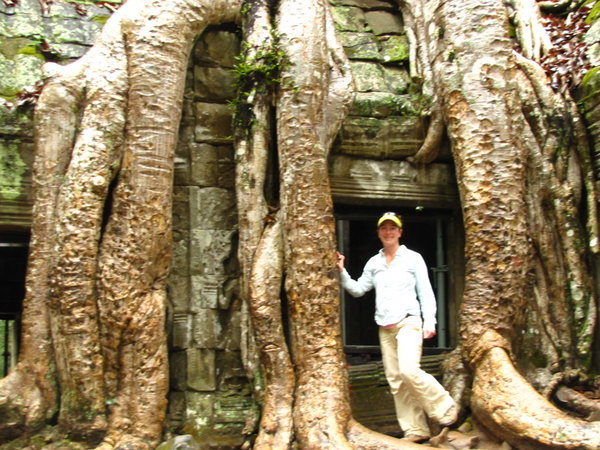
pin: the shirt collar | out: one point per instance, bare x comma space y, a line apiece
400, 250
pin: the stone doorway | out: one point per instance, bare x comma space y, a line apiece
428, 231
13, 264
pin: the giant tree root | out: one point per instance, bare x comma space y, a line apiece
361, 437
510, 408
579, 403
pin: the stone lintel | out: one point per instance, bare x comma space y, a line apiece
364, 181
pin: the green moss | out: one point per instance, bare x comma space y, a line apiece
31, 50
12, 171
254, 75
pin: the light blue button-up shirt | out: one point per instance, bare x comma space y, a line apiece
401, 288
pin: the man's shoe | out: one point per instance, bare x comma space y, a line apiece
416, 438
450, 416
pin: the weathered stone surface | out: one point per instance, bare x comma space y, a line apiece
233, 375
381, 105
360, 45
396, 137
397, 79
17, 123
178, 288
212, 165
348, 18
67, 32
181, 442
366, 4
353, 179
176, 408
209, 251
201, 369
16, 160
217, 47
230, 339
24, 18
394, 48
214, 83
384, 22
368, 77
200, 410
212, 208
206, 328
177, 376
18, 73
206, 291
181, 327
213, 123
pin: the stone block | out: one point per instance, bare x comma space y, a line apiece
206, 328
15, 170
67, 50
217, 47
176, 408
397, 79
369, 77
213, 123
397, 137
394, 48
178, 370
178, 289
181, 330
204, 166
181, 169
214, 83
206, 292
19, 72
201, 370
212, 165
381, 105
200, 410
232, 375
361, 46
209, 252
234, 409
348, 18
24, 18
181, 212
354, 178
212, 209
384, 22
366, 4
232, 332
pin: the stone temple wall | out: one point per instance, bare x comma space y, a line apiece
209, 390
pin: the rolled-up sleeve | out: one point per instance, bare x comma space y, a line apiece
357, 288
425, 294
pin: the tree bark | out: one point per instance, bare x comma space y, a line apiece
104, 303
313, 98
519, 163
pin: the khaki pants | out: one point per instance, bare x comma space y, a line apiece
416, 393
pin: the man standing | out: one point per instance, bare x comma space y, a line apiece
405, 312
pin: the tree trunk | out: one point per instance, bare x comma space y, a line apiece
519, 161
98, 317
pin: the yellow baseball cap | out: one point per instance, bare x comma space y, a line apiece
390, 216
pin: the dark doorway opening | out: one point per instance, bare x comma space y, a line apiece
425, 231
13, 263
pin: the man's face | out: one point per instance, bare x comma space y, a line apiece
389, 232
